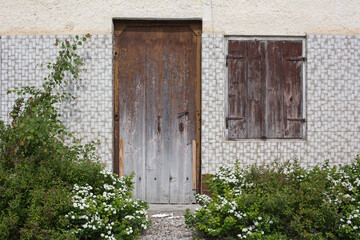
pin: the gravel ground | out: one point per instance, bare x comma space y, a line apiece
168, 222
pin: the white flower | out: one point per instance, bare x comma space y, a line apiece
244, 229
73, 217
260, 218
256, 223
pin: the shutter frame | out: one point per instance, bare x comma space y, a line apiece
265, 84
293, 89
237, 90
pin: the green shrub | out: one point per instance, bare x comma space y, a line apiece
107, 211
281, 201
41, 164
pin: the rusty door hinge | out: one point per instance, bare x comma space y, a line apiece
232, 118
296, 119
233, 57
296, 59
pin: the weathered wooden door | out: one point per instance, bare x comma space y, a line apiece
156, 78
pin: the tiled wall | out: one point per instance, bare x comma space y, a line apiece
91, 114
332, 98
332, 86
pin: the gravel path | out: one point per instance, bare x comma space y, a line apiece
168, 223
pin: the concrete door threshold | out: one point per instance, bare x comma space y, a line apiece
175, 209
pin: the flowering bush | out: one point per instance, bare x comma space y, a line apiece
281, 201
46, 174
107, 212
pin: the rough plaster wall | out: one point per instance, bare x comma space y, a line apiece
333, 109
237, 17
91, 114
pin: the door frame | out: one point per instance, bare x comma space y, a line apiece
119, 27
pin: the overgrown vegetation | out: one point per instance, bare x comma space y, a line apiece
51, 185
281, 201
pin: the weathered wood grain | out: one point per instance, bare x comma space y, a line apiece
238, 91
264, 89
132, 104
157, 118
198, 110
121, 158
158, 96
183, 112
256, 90
293, 89
274, 89
194, 164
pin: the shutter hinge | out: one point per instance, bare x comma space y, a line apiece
296, 119
233, 57
232, 118
296, 59
115, 53
116, 117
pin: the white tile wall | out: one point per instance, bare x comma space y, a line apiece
333, 107
332, 93
90, 116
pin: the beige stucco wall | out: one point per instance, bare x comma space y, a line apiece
232, 17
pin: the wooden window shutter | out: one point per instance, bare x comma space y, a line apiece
293, 63
264, 89
237, 90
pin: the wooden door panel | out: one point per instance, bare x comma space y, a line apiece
157, 90
132, 104
182, 65
157, 164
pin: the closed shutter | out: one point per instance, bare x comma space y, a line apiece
264, 89
237, 86
293, 89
